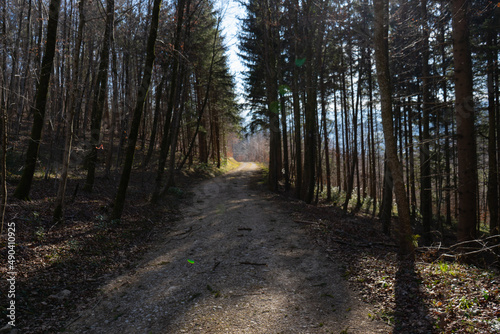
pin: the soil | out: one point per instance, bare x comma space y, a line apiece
237, 262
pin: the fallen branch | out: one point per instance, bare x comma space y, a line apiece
484, 249
465, 248
215, 265
183, 232
305, 222
254, 263
355, 244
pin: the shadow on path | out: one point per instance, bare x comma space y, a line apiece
236, 263
411, 314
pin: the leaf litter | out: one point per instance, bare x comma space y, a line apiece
433, 296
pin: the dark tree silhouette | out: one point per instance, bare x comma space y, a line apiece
136, 119
38, 109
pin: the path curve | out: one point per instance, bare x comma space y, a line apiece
236, 263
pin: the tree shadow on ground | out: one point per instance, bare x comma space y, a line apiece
229, 266
411, 315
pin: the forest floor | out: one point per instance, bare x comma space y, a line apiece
227, 256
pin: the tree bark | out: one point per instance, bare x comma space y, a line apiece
492, 196
296, 106
297, 133
114, 110
337, 143
373, 183
176, 124
154, 126
425, 163
465, 116
386, 203
310, 136
325, 139
286, 165
270, 44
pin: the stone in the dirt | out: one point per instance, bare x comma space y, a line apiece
61, 295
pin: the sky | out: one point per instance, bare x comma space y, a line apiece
232, 10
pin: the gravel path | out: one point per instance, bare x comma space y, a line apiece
236, 263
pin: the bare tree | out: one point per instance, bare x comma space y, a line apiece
70, 113
136, 120
38, 109
99, 97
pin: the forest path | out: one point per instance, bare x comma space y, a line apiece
236, 263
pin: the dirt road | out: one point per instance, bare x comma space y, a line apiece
236, 263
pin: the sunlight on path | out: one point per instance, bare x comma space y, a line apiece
237, 263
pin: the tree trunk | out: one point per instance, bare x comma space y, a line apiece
384, 79
165, 142
465, 116
298, 133
27, 70
337, 143
176, 121
139, 107
99, 97
425, 163
152, 138
310, 135
492, 141
286, 165
373, 183
325, 139
271, 50
386, 203
114, 111
70, 110
38, 109
207, 92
